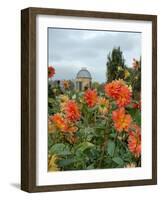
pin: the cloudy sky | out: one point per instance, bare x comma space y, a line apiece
70, 50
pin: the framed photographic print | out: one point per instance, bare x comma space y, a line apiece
89, 99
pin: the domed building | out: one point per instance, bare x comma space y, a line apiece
83, 80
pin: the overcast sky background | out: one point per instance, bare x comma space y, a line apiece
70, 50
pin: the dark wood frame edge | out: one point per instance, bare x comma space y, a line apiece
28, 98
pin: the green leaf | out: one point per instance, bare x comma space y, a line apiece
74, 96
101, 126
88, 130
113, 134
65, 162
60, 149
84, 145
118, 161
138, 117
50, 100
111, 147
90, 166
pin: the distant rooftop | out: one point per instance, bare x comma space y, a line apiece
84, 73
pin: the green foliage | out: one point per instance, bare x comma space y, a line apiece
95, 144
136, 115
84, 146
60, 149
117, 69
135, 82
118, 161
115, 65
111, 148
91, 150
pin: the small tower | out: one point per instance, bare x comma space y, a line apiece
83, 80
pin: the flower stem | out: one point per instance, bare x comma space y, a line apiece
104, 146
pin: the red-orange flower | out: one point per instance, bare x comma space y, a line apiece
119, 91
66, 84
70, 128
71, 110
103, 105
134, 140
122, 121
137, 105
59, 121
91, 97
51, 71
63, 124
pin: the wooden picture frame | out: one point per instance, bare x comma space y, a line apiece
28, 98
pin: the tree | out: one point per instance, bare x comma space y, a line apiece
135, 78
115, 65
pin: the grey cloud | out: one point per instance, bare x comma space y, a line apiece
69, 50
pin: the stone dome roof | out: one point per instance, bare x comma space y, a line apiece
84, 73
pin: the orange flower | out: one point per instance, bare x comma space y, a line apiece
121, 120
91, 97
59, 121
103, 105
119, 91
51, 71
134, 140
70, 128
63, 124
66, 84
71, 110
64, 98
